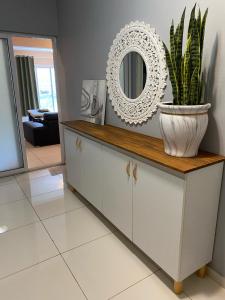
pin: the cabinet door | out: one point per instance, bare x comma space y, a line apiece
157, 215
117, 190
91, 172
73, 159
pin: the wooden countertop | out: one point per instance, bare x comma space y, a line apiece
144, 146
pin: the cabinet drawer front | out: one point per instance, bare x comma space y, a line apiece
117, 190
157, 216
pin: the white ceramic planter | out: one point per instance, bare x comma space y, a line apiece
183, 128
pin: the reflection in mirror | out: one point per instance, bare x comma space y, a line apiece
132, 75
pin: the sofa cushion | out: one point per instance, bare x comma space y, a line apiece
32, 124
50, 116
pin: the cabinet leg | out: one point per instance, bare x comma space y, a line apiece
72, 189
178, 287
202, 272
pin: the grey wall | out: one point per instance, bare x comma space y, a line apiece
86, 31
29, 16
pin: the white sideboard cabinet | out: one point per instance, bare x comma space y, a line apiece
167, 206
83, 172
117, 187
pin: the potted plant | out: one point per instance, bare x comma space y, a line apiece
184, 122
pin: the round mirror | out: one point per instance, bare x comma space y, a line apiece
132, 75
136, 72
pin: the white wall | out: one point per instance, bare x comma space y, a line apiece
86, 31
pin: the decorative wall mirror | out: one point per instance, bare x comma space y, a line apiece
136, 72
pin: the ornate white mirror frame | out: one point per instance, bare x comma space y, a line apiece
141, 38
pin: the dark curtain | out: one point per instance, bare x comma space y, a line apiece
27, 83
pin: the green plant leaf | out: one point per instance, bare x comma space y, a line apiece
186, 72
191, 22
201, 90
195, 48
172, 46
172, 75
194, 88
179, 44
185, 69
199, 20
202, 31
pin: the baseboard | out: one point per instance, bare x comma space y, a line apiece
216, 277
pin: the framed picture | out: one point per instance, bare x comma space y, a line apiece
93, 101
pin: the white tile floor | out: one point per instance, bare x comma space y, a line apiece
58, 248
39, 157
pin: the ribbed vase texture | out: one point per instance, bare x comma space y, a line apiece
183, 128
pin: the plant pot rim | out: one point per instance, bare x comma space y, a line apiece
170, 108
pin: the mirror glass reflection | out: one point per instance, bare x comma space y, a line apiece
133, 75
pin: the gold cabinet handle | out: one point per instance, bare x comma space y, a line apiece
77, 141
80, 144
128, 169
135, 173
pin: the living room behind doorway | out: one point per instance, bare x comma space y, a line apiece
38, 100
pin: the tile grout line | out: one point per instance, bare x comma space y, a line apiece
29, 197
86, 243
74, 277
130, 286
153, 273
24, 194
32, 159
28, 267
20, 227
37, 157
38, 221
60, 253
64, 260
33, 150
62, 213
35, 178
14, 201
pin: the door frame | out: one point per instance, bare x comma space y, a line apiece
10, 35
16, 96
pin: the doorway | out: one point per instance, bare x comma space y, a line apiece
38, 100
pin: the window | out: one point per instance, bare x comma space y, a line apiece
46, 87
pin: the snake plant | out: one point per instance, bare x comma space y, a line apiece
185, 68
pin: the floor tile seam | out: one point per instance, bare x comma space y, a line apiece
44, 162
13, 201
24, 225
46, 231
20, 227
62, 213
34, 160
130, 286
24, 194
74, 277
29, 267
86, 243
153, 273
47, 155
35, 178
7, 182
63, 259
31, 197
33, 152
